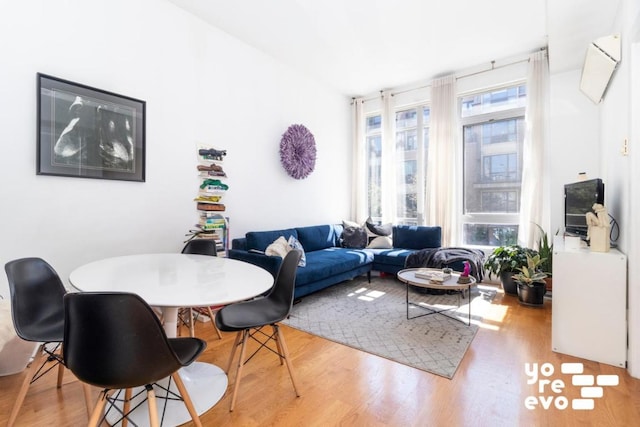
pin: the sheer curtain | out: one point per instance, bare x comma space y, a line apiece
444, 160
388, 174
359, 208
533, 209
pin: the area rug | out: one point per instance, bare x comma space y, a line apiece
372, 317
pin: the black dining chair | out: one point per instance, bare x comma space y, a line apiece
115, 341
38, 316
248, 318
199, 247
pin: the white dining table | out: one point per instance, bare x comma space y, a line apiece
171, 281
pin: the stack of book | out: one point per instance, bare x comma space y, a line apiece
212, 223
433, 276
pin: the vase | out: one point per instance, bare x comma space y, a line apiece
508, 283
531, 295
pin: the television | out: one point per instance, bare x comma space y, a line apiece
579, 197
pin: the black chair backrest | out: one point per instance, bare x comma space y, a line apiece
36, 300
115, 340
200, 247
283, 289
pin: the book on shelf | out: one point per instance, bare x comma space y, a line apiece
210, 206
433, 276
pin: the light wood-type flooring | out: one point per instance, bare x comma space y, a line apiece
341, 386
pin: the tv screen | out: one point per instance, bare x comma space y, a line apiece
579, 197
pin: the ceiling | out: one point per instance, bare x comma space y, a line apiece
362, 46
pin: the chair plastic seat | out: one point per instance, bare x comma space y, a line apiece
187, 349
250, 314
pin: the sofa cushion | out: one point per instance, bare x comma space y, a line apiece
392, 256
317, 237
416, 237
330, 262
259, 240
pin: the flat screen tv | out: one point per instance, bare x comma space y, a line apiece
579, 197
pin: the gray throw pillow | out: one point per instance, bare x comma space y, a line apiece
353, 237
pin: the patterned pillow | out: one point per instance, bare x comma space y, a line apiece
295, 244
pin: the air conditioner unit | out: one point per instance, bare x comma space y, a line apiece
602, 58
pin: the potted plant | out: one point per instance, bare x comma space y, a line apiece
504, 262
545, 249
530, 280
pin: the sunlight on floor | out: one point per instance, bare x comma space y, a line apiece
369, 296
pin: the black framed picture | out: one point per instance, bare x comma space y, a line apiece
89, 133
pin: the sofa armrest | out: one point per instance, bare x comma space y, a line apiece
269, 263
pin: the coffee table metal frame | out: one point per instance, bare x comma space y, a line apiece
409, 278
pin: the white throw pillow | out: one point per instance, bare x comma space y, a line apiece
380, 242
280, 247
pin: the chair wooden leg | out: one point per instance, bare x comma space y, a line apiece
60, 374
28, 376
187, 399
245, 336
192, 323
153, 407
287, 359
278, 346
96, 415
213, 322
233, 351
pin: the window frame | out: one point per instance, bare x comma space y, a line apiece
489, 218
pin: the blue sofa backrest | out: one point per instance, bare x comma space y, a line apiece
416, 237
316, 237
259, 240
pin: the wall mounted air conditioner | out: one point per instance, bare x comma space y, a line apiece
602, 58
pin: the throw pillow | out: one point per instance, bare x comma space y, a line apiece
353, 237
379, 230
280, 247
295, 244
380, 242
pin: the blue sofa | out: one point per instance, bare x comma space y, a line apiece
326, 262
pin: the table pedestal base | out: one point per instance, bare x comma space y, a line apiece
206, 384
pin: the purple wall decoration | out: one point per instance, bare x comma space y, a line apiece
298, 151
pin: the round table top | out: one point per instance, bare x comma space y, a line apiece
409, 276
174, 280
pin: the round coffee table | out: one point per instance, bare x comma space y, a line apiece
408, 276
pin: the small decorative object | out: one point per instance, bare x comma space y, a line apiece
598, 231
298, 151
89, 133
464, 276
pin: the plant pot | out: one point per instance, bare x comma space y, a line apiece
549, 283
531, 295
509, 285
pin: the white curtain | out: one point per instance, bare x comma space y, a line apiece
443, 160
388, 174
533, 209
359, 208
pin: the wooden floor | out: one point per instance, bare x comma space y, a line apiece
346, 387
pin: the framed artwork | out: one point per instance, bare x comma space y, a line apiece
89, 133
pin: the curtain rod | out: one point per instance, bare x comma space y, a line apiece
462, 76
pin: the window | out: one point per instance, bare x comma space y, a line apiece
493, 135
412, 142
373, 130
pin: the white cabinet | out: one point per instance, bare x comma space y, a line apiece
589, 306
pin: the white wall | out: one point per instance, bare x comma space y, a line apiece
574, 140
619, 122
201, 86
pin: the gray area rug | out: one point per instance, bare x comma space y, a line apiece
372, 317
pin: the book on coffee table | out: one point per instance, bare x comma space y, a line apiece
432, 276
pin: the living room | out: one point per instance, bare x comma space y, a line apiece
202, 85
